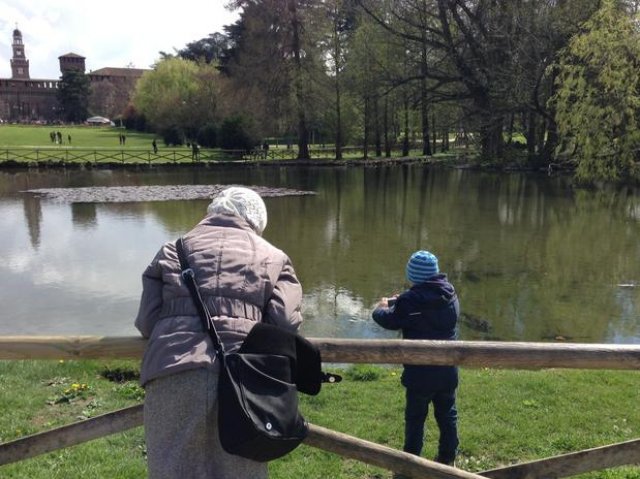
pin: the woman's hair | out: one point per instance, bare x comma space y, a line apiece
242, 202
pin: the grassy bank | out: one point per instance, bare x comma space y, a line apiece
30, 136
505, 417
29, 145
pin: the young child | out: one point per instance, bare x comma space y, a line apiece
428, 310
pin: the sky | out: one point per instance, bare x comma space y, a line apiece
116, 33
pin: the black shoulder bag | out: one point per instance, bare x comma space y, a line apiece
258, 415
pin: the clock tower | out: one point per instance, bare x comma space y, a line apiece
19, 63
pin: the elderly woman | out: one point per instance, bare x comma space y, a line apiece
244, 279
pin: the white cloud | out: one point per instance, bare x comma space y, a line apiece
109, 34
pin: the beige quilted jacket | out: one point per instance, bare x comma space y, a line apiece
242, 279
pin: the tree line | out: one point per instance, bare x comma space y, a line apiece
543, 81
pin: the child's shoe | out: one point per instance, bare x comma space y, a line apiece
446, 462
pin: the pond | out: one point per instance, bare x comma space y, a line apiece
532, 258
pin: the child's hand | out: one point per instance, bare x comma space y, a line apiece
383, 303
387, 302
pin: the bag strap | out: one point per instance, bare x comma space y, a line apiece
188, 276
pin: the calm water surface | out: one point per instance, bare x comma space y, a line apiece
532, 259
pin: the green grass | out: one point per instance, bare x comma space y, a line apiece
29, 144
505, 417
89, 144
29, 136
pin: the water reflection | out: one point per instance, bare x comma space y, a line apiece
33, 216
531, 258
350, 315
84, 215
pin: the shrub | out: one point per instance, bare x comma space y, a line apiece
172, 136
133, 120
208, 135
364, 372
235, 134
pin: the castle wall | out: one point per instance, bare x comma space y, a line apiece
28, 100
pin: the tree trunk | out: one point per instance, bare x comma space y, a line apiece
338, 140
435, 134
303, 131
405, 140
540, 137
376, 119
491, 141
366, 128
426, 145
387, 141
510, 132
531, 134
548, 151
552, 141
337, 55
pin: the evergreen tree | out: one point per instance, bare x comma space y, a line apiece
73, 96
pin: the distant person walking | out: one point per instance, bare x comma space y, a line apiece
195, 151
69, 138
155, 146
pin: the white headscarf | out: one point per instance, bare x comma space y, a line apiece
242, 202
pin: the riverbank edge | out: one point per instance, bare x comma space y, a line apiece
459, 161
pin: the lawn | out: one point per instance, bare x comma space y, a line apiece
21, 142
505, 417
29, 136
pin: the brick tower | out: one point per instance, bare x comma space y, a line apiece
71, 62
19, 63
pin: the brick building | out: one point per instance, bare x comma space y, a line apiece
24, 99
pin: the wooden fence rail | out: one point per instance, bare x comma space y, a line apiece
465, 353
164, 155
472, 354
126, 155
128, 418
564, 465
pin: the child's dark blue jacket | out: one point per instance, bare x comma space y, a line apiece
428, 310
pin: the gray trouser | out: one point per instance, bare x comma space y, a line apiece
181, 430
